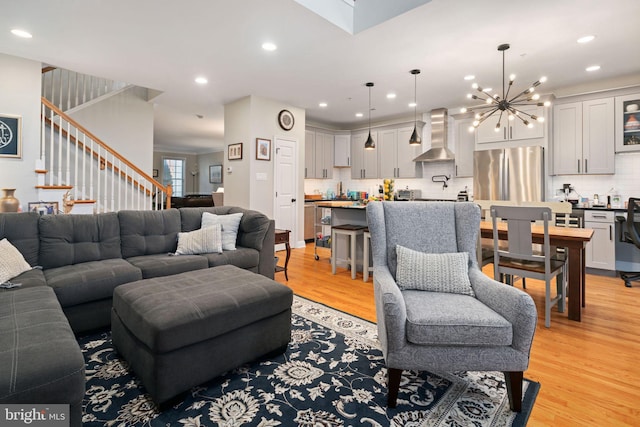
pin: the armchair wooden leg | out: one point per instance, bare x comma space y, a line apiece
393, 376
514, 389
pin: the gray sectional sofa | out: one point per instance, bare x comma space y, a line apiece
80, 260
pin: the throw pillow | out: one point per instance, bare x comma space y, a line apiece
433, 272
12, 263
230, 224
204, 241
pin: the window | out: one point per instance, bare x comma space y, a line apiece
173, 173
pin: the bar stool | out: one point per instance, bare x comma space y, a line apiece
365, 256
352, 231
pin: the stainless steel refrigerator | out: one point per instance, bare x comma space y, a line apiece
515, 174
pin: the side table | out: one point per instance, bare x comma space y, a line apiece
282, 236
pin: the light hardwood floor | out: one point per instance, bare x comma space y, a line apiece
589, 371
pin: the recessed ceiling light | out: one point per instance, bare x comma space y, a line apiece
412, 104
391, 95
469, 77
593, 68
268, 46
21, 33
586, 39
359, 114
322, 105
201, 80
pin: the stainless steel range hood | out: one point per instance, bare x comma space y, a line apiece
439, 127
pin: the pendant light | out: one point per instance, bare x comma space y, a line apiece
369, 144
415, 138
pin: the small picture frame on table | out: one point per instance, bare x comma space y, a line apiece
215, 174
234, 151
263, 149
44, 208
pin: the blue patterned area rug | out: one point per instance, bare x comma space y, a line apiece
332, 374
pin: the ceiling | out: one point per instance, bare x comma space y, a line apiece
164, 45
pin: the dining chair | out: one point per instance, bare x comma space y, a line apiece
522, 258
631, 235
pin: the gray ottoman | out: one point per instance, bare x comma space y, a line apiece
179, 331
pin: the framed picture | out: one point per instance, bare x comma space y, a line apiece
155, 173
215, 174
10, 136
263, 149
44, 208
234, 151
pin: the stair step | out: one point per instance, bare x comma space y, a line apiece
78, 202
42, 171
54, 187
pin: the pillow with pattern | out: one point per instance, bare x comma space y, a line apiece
203, 241
12, 263
433, 272
230, 224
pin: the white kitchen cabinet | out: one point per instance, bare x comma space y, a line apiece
583, 137
627, 112
511, 130
309, 154
342, 151
396, 154
601, 250
364, 163
465, 145
323, 156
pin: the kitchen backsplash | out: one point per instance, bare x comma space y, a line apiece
626, 181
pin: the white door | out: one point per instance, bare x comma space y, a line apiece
285, 186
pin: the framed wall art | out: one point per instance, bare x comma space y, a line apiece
234, 151
155, 173
10, 136
263, 149
215, 174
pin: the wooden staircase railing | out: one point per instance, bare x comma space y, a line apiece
73, 158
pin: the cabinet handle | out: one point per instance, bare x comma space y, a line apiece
586, 168
510, 132
456, 170
348, 161
610, 233
305, 172
504, 132
578, 165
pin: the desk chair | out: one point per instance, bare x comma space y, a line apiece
631, 234
521, 258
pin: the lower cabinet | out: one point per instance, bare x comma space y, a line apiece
601, 250
309, 212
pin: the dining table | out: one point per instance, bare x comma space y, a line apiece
575, 241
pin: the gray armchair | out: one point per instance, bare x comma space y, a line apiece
442, 331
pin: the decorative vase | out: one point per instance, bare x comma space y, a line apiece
8, 203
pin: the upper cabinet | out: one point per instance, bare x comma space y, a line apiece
342, 151
583, 137
511, 129
465, 144
318, 155
627, 123
396, 154
364, 163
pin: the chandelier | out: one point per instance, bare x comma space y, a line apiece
503, 105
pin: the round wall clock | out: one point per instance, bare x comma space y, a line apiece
285, 119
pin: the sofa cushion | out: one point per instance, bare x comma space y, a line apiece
12, 262
204, 241
90, 281
149, 232
21, 229
448, 272
166, 264
74, 239
40, 357
30, 278
212, 302
435, 318
246, 258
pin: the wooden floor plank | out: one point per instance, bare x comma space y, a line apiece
589, 370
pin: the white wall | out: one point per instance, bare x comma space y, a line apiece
20, 95
125, 123
204, 161
237, 129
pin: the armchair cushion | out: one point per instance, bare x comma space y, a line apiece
435, 318
434, 272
